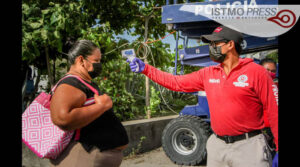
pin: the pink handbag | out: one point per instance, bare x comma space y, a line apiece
44, 138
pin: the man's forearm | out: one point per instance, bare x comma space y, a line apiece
183, 83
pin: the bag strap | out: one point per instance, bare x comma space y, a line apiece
55, 86
74, 76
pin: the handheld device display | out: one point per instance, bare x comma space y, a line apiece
130, 55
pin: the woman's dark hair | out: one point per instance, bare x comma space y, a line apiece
81, 47
267, 60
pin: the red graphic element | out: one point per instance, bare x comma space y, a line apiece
218, 29
284, 18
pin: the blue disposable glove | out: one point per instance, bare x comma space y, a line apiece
136, 62
275, 161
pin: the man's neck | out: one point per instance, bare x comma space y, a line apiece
230, 62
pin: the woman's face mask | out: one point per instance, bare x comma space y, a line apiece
97, 68
272, 74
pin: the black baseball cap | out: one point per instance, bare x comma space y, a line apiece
223, 33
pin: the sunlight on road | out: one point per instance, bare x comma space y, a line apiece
155, 158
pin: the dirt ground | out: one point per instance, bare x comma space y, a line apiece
154, 158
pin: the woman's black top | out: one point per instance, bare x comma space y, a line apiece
107, 131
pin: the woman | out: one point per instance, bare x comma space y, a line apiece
102, 136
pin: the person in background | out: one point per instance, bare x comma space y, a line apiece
102, 136
270, 66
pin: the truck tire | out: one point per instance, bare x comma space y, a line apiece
184, 140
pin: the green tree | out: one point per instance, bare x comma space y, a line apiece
144, 16
50, 27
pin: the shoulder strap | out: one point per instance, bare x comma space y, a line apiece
74, 76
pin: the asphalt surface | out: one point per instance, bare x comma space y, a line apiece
154, 158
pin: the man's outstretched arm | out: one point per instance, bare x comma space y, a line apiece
185, 83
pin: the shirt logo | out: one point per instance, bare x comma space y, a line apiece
241, 81
214, 81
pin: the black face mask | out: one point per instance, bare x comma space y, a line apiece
215, 54
97, 68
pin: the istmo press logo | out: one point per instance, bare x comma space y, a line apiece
250, 17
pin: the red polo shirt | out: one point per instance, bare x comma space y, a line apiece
237, 101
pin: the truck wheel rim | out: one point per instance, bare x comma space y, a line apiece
184, 141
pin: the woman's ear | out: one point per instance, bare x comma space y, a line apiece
79, 60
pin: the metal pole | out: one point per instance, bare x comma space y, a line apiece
176, 54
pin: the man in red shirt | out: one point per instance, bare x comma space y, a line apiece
238, 92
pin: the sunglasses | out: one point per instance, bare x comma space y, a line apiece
215, 43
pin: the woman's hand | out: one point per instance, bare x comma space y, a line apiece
103, 100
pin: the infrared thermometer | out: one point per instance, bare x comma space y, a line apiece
130, 55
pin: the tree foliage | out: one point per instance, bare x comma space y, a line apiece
50, 24
50, 27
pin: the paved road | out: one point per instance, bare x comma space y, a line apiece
154, 158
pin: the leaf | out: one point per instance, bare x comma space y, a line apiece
56, 34
71, 5
35, 25
108, 41
44, 34
25, 9
36, 50
59, 45
45, 11
53, 18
